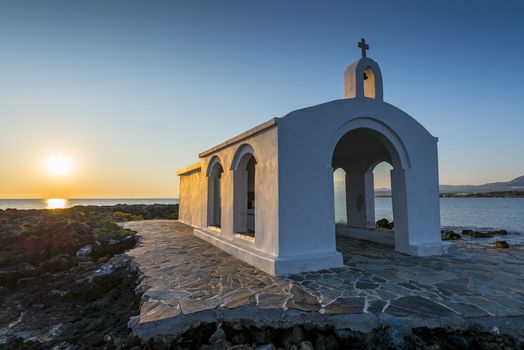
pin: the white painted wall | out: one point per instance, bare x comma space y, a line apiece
193, 188
192, 202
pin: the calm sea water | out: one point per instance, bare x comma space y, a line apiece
54, 203
465, 213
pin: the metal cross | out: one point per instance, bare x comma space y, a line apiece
363, 47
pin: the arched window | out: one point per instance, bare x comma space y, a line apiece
244, 191
214, 199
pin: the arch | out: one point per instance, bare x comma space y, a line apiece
244, 190
214, 192
393, 142
240, 153
212, 163
360, 147
372, 165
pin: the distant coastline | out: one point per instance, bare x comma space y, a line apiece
503, 194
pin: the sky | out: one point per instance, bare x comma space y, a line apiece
130, 91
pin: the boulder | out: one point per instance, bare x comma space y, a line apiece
263, 336
501, 244
476, 234
384, 224
306, 345
298, 335
56, 263
85, 250
218, 335
450, 236
269, 346
498, 232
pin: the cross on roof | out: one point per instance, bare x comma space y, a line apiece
363, 47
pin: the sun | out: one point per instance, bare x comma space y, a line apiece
59, 165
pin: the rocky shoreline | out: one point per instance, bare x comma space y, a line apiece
64, 281
221, 336
450, 235
66, 284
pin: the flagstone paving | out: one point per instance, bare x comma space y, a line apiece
187, 281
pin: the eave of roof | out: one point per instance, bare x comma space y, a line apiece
239, 138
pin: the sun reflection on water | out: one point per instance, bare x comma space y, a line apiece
56, 203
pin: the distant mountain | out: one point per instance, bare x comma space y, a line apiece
513, 185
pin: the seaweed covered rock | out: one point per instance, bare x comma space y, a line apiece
384, 224
484, 234
450, 235
501, 245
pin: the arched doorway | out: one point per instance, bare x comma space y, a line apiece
244, 188
358, 152
214, 199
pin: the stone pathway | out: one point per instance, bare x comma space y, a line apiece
187, 281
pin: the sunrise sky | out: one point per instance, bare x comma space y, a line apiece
121, 94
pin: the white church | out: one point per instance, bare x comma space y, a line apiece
266, 196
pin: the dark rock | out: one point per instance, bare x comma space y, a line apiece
450, 235
219, 335
385, 224
112, 247
395, 338
297, 334
326, 342
286, 339
85, 250
501, 244
476, 234
269, 346
306, 345
239, 339
263, 336
498, 232
57, 263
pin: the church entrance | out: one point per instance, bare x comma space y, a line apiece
361, 156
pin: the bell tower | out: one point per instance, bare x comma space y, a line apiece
363, 79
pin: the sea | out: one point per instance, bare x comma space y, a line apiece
455, 213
